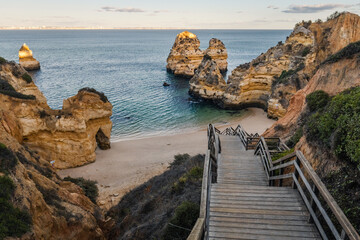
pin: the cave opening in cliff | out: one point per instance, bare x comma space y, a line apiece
102, 140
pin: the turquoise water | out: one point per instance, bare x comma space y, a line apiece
129, 67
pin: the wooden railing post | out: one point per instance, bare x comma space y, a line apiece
312, 202
296, 173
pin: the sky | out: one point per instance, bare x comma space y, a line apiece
184, 14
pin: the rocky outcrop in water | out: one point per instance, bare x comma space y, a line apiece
272, 79
68, 136
217, 51
208, 82
26, 59
186, 55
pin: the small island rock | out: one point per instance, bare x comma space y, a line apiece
26, 59
186, 55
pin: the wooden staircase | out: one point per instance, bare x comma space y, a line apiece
246, 194
243, 206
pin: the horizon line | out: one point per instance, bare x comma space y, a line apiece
136, 28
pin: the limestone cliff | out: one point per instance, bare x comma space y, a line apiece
332, 77
185, 56
26, 59
69, 136
57, 209
272, 79
208, 82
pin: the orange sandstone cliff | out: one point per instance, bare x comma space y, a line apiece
68, 136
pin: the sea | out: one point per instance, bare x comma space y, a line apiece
129, 66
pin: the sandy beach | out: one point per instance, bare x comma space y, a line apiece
132, 162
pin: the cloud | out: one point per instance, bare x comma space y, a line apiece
161, 11
313, 8
273, 7
115, 9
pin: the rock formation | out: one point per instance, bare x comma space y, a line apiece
332, 78
68, 136
271, 80
208, 82
186, 55
26, 59
218, 53
58, 209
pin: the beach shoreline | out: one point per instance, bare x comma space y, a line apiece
130, 163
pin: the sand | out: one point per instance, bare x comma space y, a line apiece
132, 162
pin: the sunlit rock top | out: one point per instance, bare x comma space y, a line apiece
26, 59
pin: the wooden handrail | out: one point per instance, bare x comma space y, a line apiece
318, 189
298, 170
200, 229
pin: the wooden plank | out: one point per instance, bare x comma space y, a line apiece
258, 211
235, 205
221, 235
263, 195
271, 232
260, 221
255, 202
285, 176
261, 198
259, 216
269, 226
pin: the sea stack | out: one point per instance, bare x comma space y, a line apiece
217, 51
186, 55
208, 82
26, 59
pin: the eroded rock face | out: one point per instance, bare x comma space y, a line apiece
272, 79
218, 53
186, 55
332, 78
66, 136
26, 59
208, 82
58, 209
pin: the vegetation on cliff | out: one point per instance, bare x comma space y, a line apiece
347, 52
7, 89
334, 127
88, 186
166, 207
337, 125
13, 221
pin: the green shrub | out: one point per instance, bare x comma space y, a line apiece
2, 60
317, 100
196, 172
27, 77
295, 138
286, 74
347, 52
88, 186
92, 90
180, 159
334, 15
277, 156
8, 160
337, 126
183, 221
306, 51
7, 89
13, 221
